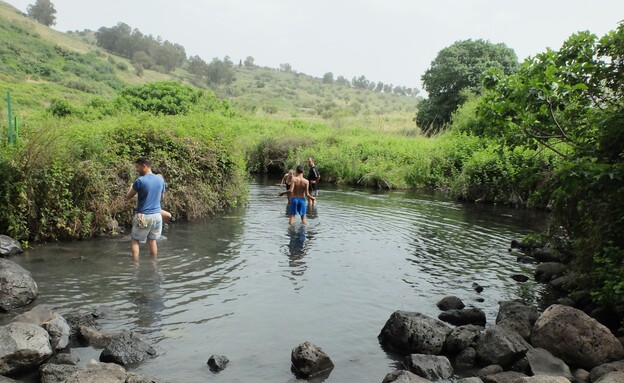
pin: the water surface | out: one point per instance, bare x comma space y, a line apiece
248, 286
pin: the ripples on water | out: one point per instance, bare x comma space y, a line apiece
248, 286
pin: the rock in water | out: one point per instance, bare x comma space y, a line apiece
9, 246
403, 376
575, 337
543, 362
127, 348
547, 271
23, 346
497, 345
17, 288
309, 360
460, 338
52, 322
429, 366
218, 363
462, 317
413, 333
519, 277
450, 303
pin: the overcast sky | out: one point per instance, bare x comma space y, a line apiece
393, 41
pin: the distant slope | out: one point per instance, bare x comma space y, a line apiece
39, 64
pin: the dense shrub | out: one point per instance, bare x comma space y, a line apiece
168, 98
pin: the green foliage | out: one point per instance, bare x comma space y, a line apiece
456, 69
43, 11
60, 108
168, 98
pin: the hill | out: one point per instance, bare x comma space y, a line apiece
39, 64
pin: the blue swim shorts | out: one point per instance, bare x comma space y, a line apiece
298, 206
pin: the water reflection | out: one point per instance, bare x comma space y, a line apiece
299, 237
149, 296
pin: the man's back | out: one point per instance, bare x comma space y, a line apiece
300, 187
149, 189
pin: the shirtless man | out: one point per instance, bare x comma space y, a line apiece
299, 190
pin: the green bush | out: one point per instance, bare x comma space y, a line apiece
167, 98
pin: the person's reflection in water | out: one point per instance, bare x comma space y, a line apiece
149, 296
298, 244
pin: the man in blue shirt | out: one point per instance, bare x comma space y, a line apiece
147, 223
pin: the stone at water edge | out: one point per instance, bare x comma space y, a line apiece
543, 362
581, 376
489, 370
91, 373
309, 360
463, 317
218, 363
497, 345
460, 338
543, 379
127, 348
517, 316
429, 366
575, 337
466, 359
547, 271
4, 379
503, 377
450, 303
24, 346
473, 379
69, 359
9, 246
17, 288
520, 278
403, 376
612, 377
413, 333
52, 322
599, 371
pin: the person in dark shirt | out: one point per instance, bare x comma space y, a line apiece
313, 177
147, 223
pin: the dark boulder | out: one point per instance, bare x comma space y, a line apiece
599, 371
489, 370
497, 345
51, 321
91, 373
23, 347
463, 317
450, 303
504, 377
17, 288
547, 271
403, 376
127, 348
413, 333
543, 362
460, 338
310, 360
218, 363
520, 277
517, 316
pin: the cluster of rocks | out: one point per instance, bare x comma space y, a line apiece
560, 345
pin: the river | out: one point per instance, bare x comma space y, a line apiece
246, 285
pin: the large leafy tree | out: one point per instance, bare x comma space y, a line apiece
456, 71
571, 102
43, 11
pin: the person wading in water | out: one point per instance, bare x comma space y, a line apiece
299, 190
314, 177
147, 223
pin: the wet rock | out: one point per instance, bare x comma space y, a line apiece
134, 378
9, 246
546, 254
498, 345
565, 301
612, 377
521, 365
504, 377
17, 288
581, 376
309, 360
543, 379
218, 363
489, 370
403, 376
517, 244
547, 271
477, 287
413, 333
78, 319
23, 346
69, 359
52, 322
526, 260
599, 371
95, 338
521, 327
460, 338
575, 337
127, 348
462, 317
543, 362
520, 277
91, 373
466, 359
450, 303
563, 283
473, 379
429, 366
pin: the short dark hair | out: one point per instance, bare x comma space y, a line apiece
300, 169
144, 161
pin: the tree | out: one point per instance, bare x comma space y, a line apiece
341, 80
458, 68
219, 72
141, 59
379, 87
197, 66
286, 68
360, 82
249, 62
328, 78
43, 11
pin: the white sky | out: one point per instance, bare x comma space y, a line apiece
393, 41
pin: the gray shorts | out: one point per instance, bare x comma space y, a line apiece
151, 228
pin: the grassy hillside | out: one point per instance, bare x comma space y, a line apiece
39, 64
